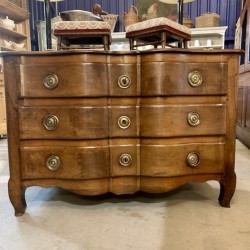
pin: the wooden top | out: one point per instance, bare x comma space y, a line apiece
133, 52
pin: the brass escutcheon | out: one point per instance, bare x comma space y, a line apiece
50, 122
193, 159
193, 119
124, 122
124, 81
195, 78
53, 162
50, 81
125, 160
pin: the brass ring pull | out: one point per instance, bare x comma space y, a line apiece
195, 78
125, 160
50, 81
193, 119
193, 159
50, 122
124, 122
124, 81
53, 162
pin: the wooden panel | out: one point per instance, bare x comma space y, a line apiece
163, 78
127, 70
171, 120
154, 162
247, 107
120, 148
240, 106
124, 121
76, 162
74, 79
3, 126
125, 185
73, 122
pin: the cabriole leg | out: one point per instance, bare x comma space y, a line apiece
227, 189
17, 197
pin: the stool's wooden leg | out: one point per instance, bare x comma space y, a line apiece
185, 43
179, 44
163, 39
106, 42
59, 41
131, 43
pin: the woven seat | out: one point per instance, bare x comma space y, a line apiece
82, 34
158, 31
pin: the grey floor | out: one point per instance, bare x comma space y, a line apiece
187, 218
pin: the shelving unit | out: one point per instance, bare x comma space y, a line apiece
215, 34
21, 33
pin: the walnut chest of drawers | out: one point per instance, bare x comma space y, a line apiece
120, 122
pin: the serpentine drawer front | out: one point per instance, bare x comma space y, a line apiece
95, 122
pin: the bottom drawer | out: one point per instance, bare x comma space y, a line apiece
163, 160
75, 162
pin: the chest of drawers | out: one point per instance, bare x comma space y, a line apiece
120, 122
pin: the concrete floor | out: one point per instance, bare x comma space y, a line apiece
187, 218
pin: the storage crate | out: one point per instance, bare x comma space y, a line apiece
207, 20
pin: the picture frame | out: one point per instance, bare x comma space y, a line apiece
149, 9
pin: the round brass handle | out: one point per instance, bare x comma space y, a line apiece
53, 162
124, 81
50, 81
195, 78
124, 122
193, 159
125, 160
50, 122
193, 119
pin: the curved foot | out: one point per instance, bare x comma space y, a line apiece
227, 189
17, 197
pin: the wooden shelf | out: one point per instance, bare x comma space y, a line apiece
3, 48
12, 33
13, 11
215, 34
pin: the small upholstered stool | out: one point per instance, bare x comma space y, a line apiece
82, 34
158, 31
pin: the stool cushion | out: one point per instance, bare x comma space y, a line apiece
155, 23
80, 26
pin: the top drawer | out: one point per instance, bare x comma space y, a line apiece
180, 78
63, 79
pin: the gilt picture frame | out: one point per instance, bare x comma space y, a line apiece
148, 9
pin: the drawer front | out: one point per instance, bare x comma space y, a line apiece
61, 80
124, 121
162, 78
183, 120
182, 159
124, 157
63, 122
123, 80
65, 162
